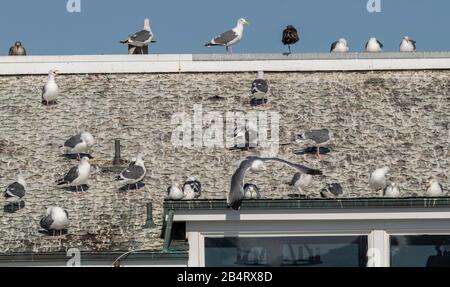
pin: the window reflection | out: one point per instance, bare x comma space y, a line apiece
342, 251
420, 251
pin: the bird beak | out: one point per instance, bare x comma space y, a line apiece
246, 22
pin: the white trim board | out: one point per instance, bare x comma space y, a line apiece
188, 63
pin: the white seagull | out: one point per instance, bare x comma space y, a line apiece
435, 189
192, 189
373, 45
134, 173
50, 91
321, 138
340, 46
142, 38
174, 192
377, 179
78, 175
79, 144
251, 191
407, 45
231, 37
332, 190
56, 219
392, 190
301, 181
16, 190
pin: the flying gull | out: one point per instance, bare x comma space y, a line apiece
435, 189
251, 191
78, 175
301, 181
407, 45
290, 37
340, 46
321, 138
231, 37
174, 192
17, 50
56, 219
142, 38
391, 190
50, 90
16, 190
377, 179
373, 45
259, 90
236, 194
332, 190
192, 189
79, 144
134, 173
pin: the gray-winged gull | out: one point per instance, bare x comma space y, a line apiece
192, 189
134, 173
78, 175
17, 50
392, 190
142, 38
231, 37
16, 190
435, 189
321, 138
301, 181
407, 45
236, 193
377, 179
373, 45
340, 46
50, 91
289, 37
251, 191
56, 219
332, 190
79, 144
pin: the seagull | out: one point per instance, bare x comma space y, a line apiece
377, 179
259, 90
407, 45
142, 38
231, 37
77, 175
79, 143
174, 192
435, 189
17, 50
373, 45
391, 190
340, 46
321, 138
236, 193
301, 181
251, 191
134, 173
332, 190
56, 219
290, 37
50, 91
16, 190
192, 189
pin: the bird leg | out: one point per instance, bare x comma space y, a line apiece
318, 152
289, 46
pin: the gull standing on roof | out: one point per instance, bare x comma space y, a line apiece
134, 173
142, 38
78, 175
373, 45
321, 138
237, 192
192, 189
407, 45
340, 46
435, 189
251, 191
79, 144
392, 190
301, 181
50, 91
16, 190
289, 37
17, 50
231, 37
56, 219
332, 190
377, 179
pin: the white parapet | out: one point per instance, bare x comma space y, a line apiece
188, 63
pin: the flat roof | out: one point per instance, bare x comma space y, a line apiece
213, 63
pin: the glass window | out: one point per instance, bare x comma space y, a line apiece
342, 251
420, 251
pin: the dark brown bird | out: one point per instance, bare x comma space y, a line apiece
17, 50
290, 37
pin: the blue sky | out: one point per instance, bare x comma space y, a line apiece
46, 28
